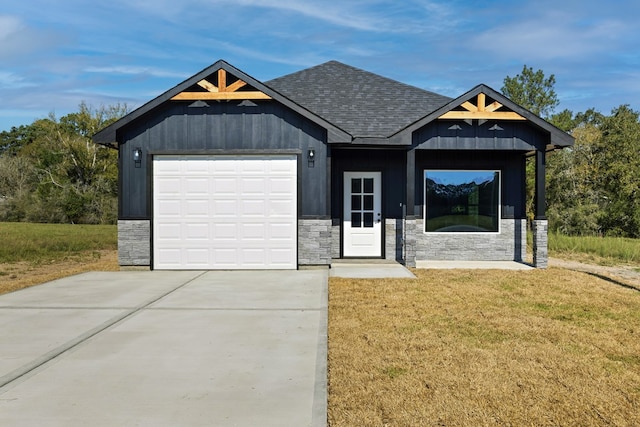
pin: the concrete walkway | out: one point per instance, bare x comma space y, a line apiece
369, 269
175, 348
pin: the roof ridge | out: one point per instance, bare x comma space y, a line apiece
363, 103
359, 70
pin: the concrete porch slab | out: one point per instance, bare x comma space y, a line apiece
369, 269
474, 265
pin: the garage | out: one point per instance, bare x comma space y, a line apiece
224, 212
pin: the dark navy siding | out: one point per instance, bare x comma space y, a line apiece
509, 163
232, 127
391, 163
490, 135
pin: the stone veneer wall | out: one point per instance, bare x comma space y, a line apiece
134, 242
540, 243
314, 242
393, 239
335, 239
508, 245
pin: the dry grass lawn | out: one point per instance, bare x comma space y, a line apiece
476, 348
22, 274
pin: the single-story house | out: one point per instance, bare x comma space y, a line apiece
224, 171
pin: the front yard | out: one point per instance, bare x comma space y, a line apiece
472, 348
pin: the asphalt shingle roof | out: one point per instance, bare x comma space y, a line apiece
361, 103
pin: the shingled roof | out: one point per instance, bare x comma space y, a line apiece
361, 103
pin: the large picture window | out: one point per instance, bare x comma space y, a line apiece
462, 201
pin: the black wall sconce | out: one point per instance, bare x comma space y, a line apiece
137, 157
311, 158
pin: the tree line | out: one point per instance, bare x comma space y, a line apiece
51, 171
593, 188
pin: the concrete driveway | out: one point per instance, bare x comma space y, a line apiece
166, 348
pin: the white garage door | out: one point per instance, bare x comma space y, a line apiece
224, 212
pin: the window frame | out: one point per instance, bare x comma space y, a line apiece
498, 210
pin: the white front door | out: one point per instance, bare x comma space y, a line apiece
362, 218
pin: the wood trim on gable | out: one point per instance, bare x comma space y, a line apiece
220, 92
481, 111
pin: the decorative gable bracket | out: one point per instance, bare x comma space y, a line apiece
222, 91
481, 111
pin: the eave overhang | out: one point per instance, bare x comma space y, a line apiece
217, 91
473, 105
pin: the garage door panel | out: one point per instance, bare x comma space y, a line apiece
253, 208
196, 208
280, 231
281, 185
253, 232
225, 185
169, 208
224, 207
281, 208
197, 257
169, 256
253, 186
282, 167
222, 212
197, 231
169, 231
169, 185
225, 257
281, 256
196, 186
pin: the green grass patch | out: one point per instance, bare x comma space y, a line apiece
394, 371
613, 249
50, 242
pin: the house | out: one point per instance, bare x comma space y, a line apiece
227, 172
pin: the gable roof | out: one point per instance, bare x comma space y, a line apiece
503, 107
353, 105
363, 104
184, 91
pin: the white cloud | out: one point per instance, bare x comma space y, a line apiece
550, 35
9, 25
19, 39
134, 70
10, 80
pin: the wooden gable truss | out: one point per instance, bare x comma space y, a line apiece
469, 110
221, 90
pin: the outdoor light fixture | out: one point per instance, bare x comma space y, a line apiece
311, 157
137, 156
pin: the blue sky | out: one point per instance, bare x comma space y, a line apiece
56, 54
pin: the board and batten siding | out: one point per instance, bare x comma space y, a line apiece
489, 135
233, 127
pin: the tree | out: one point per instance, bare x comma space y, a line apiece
621, 172
532, 90
574, 192
70, 179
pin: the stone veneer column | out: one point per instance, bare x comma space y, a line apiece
393, 235
540, 243
411, 228
314, 242
134, 243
